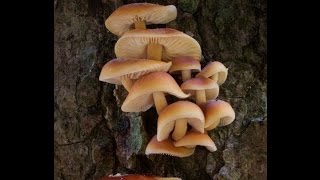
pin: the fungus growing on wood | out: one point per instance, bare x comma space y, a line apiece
216, 71
125, 71
157, 44
218, 113
184, 65
166, 147
205, 88
184, 112
138, 15
150, 89
193, 139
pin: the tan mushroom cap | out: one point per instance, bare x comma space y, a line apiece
184, 63
213, 68
185, 110
134, 44
195, 139
140, 96
167, 147
202, 83
130, 68
218, 113
122, 19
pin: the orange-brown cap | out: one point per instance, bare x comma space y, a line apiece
184, 63
133, 44
140, 96
202, 83
214, 68
167, 147
218, 113
113, 70
122, 19
177, 111
196, 138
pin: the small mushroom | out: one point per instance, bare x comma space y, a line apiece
205, 88
216, 71
218, 113
157, 44
176, 117
139, 14
167, 147
192, 139
124, 71
149, 89
185, 65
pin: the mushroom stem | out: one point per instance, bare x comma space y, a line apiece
181, 124
140, 25
186, 75
154, 51
159, 101
180, 129
200, 96
126, 82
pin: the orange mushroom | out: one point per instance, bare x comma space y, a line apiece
157, 44
192, 139
139, 14
166, 147
125, 71
176, 117
216, 71
218, 113
150, 89
204, 88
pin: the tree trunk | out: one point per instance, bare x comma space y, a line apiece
94, 138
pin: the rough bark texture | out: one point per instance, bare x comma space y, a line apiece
94, 138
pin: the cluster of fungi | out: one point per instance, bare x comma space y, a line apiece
147, 59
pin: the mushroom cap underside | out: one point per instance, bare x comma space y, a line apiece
166, 147
134, 44
182, 63
123, 18
177, 111
113, 70
213, 68
140, 96
218, 113
195, 139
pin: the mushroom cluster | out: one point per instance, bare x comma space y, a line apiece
145, 61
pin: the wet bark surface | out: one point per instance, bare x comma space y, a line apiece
93, 138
